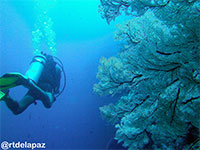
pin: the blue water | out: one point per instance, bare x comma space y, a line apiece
82, 38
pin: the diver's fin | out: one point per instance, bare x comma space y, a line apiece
10, 80
2, 94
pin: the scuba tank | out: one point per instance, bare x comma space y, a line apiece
36, 67
40, 67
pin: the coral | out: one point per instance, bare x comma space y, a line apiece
110, 9
157, 76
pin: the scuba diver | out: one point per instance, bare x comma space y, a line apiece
42, 80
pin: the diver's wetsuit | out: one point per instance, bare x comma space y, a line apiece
47, 86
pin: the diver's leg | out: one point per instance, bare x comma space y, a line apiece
33, 94
19, 107
47, 98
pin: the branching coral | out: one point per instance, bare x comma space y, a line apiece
110, 9
157, 74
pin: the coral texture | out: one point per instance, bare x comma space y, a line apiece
157, 75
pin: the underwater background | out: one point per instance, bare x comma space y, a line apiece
82, 38
132, 67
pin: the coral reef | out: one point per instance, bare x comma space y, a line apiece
157, 75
